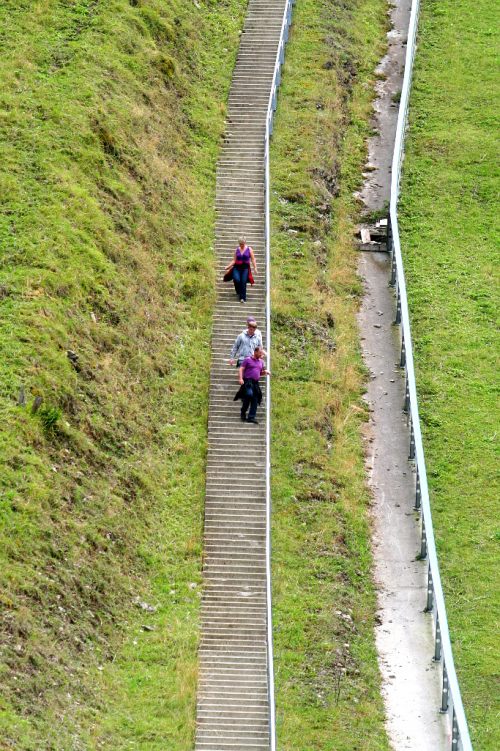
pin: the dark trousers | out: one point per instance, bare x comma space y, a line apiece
250, 398
240, 279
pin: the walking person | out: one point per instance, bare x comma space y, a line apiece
239, 268
250, 371
246, 342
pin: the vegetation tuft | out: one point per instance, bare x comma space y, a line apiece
49, 417
325, 600
111, 117
451, 241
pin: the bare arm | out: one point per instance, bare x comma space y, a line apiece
235, 349
259, 342
231, 265
242, 382
252, 258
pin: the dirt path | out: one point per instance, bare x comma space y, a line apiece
404, 638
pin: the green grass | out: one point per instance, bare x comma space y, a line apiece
451, 242
325, 601
111, 115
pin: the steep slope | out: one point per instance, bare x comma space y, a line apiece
324, 597
451, 239
111, 115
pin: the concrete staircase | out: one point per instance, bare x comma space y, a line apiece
233, 705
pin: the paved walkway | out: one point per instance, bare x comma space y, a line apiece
233, 707
411, 683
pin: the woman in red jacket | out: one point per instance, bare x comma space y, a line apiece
240, 268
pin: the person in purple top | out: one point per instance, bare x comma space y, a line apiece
250, 371
240, 266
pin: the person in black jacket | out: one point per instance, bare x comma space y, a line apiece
250, 371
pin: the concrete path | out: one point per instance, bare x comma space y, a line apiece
404, 636
233, 707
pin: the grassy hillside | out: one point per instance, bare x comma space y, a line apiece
329, 696
451, 240
111, 117
111, 114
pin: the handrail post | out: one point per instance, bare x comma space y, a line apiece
423, 540
444, 692
391, 249
392, 283
397, 322
418, 494
430, 590
388, 241
455, 734
412, 442
437, 642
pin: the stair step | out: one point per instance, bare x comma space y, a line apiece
233, 710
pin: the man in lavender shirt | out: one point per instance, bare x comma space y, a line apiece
250, 372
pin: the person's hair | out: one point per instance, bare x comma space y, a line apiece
242, 240
259, 349
252, 324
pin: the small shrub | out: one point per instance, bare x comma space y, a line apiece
161, 30
49, 417
166, 66
191, 285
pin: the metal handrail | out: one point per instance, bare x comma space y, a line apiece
451, 700
287, 19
